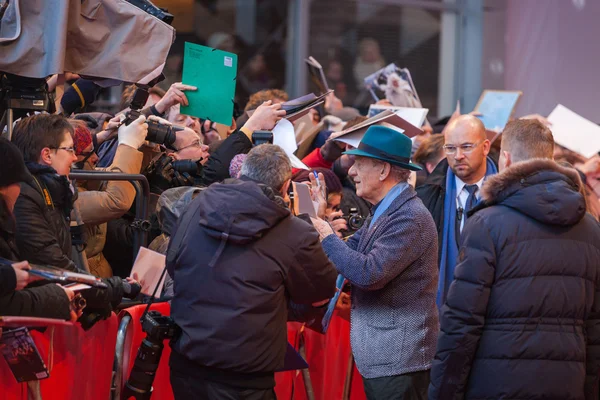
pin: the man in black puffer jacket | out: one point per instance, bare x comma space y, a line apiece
522, 317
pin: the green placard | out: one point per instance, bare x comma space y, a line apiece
214, 73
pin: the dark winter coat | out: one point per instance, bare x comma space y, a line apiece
522, 317
236, 258
43, 234
48, 301
433, 193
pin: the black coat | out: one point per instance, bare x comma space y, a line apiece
522, 317
433, 193
241, 257
48, 301
43, 234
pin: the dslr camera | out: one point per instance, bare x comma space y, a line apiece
157, 132
354, 220
157, 328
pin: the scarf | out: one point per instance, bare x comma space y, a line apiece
449, 255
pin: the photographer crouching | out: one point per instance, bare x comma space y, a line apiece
238, 259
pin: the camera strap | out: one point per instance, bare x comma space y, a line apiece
174, 245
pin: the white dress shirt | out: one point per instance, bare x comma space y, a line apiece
462, 195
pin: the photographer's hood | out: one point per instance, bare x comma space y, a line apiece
239, 211
243, 210
96, 38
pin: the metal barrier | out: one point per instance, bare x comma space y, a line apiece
142, 198
119, 357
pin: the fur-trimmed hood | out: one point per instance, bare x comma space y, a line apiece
539, 188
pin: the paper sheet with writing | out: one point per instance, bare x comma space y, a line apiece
148, 266
574, 132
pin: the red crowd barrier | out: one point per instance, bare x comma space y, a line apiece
80, 365
130, 337
333, 374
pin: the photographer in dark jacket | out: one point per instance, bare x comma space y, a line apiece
522, 316
237, 258
49, 301
43, 208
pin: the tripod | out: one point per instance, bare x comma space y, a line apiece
20, 96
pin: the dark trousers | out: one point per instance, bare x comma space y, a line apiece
411, 386
186, 387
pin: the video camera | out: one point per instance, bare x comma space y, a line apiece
157, 132
20, 95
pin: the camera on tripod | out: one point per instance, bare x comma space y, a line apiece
157, 132
157, 328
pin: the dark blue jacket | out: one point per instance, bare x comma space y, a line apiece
237, 257
522, 317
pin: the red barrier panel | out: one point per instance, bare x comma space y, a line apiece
79, 363
133, 339
332, 373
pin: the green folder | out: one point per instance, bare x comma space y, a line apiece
214, 73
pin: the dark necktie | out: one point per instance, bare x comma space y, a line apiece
472, 199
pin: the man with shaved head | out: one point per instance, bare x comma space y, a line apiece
522, 316
453, 189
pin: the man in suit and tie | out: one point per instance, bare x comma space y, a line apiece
391, 264
453, 188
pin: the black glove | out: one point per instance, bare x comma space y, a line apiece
160, 173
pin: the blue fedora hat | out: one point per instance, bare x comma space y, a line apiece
386, 144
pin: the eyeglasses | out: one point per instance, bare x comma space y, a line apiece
195, 143
465, 148
69, 149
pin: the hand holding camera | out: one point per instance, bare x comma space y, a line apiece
338, 223
134, 134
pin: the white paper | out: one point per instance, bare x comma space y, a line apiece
574, 132
353, 139
303, 203
148, 266
414, 116
284, 136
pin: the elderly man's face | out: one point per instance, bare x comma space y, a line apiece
366, 173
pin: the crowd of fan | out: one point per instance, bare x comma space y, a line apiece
39, 204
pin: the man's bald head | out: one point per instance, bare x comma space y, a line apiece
466, 148
466, 123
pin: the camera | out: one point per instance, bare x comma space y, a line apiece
191, 167
157, 328
262, 137
157, 132
153, 10
354, 219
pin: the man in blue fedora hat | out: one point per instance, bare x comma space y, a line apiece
391, 263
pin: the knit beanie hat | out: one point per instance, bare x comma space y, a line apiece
83, 138
13, 167
236, 165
